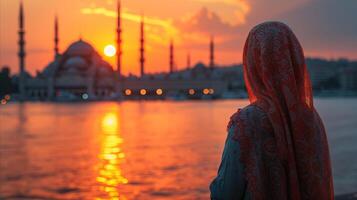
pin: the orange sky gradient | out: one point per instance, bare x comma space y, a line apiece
190, 23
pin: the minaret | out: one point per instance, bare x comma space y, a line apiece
56, 39
211, 57
172, 62
119, 41
142, 47
21, 53
188, 61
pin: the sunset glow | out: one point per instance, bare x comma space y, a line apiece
110, 175
137, 99
110, 122
190, 24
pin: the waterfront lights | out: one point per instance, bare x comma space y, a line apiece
128, 92
211, 91
143, 92
191, 91
159, 92
205, 91
85, 96
7, 97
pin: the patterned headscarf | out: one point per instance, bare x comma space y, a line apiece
293, 162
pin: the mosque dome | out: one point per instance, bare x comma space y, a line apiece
50, 69
80, 48
75, 63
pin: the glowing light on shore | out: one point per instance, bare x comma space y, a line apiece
211, 91
7, 97
191, 91
143, 92
128, 92
110, 50
159, 91
85, 96
206, 91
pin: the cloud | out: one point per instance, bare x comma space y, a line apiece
205, 22
196, 29
166, 24
325, 24
240, 9
158, 30
321, 25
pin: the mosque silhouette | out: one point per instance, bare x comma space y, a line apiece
80, 73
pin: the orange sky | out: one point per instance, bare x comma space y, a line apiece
189, 22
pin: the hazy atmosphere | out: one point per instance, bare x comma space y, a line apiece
178, 99
326, 28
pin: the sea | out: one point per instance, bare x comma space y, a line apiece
138, 149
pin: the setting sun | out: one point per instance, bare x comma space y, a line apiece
109, 50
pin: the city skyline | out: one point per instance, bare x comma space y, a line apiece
229, 33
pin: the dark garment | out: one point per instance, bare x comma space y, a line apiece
230, 183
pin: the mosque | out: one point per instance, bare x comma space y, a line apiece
80, 73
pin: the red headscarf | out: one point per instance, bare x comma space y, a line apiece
293, 161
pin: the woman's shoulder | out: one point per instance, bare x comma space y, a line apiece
250, 115
250, 111
253, 110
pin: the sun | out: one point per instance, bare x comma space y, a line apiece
110, 50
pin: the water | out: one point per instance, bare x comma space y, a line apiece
137, 150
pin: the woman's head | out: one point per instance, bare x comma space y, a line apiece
277, 82
274, 65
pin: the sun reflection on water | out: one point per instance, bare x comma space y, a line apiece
110, 176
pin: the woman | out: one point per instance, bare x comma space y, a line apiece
276, 147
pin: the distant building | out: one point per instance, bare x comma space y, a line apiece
193, 83
22, 53
211, 53
320, 72
79, 71
6, 86
348, 79
142, 47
